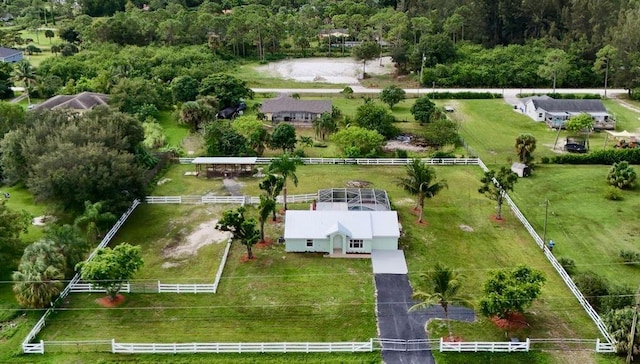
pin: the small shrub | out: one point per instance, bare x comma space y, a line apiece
613, 194
607, 156
441, 154
299, 153
630, 257
545, 160
319, 145
401, 153
569, 265
622, 175
593, 287
347, 92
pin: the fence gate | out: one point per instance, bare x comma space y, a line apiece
404, 345
147, 287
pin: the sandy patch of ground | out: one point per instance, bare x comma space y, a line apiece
203, 235
327, 70
405, 202
396, 144
42, 220
466, 228
163, 181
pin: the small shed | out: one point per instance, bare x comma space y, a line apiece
224, 166
521, 169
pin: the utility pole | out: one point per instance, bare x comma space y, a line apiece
632, 334
546, 215
421, 69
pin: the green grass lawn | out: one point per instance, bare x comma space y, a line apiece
174, 131
168, 227
175, 183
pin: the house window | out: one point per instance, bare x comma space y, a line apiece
540, 115
356, 243
309, 243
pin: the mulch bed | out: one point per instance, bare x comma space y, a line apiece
245, 258
495, 219
279, 220
264, 243
452, 339
106, 301
514, 321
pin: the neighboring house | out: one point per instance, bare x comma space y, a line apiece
337, 33
81, 102
10, 55
556, 112
343, 221
285, 108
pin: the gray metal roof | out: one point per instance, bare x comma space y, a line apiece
287, 104
552, 105
8, 52
224, 160
81, 101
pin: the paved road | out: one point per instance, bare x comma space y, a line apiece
506, 92
393, 299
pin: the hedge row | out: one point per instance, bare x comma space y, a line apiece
609, 156
463, 95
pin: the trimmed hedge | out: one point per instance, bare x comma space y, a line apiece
609, 156
566, 96
464, 95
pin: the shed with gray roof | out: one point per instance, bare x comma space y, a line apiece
286, 108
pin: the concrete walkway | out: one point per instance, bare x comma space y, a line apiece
393, 300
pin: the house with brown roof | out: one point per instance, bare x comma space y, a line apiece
288, 109
80, 102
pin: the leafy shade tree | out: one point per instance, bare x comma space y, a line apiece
254, 132
423, 110
227, 89
443, 288
39, 277
285, 166
6, 80
374, 116
622, 175
26, 74
272, 186
510, 291
222, 140
12, 224
111, 268
283, 137
49, 34
420, 182
355, 141
619, 324
242, 228
392, 94
495, 185
582, 123
184, 88
195, 114
555, 68
11, 116
267, 206
324, 125
366, 52
129, 94
525, 146
441, 132
154, 136
94, 219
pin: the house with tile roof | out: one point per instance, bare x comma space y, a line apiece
288, 109
80, 102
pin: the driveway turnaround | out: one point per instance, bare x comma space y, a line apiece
396, 322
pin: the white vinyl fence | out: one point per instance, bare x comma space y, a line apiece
30, 348
283, 347
367, 161
90, 288
493, 347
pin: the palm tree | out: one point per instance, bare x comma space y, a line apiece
419, 182
267, 205
24, 72
285, 165
36, 285
525, 146
444, 289
272, 186
72, 245
93, 219
324, 125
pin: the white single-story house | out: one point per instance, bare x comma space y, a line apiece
285, 108
555, 112
10, 55
340, 231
